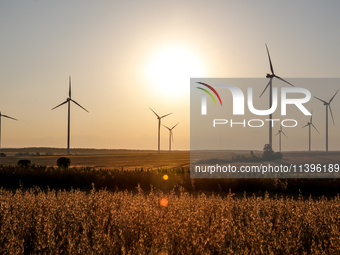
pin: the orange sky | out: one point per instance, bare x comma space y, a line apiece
125, 57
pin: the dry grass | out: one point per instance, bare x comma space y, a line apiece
101, 222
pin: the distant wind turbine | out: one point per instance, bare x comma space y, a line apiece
271, 76
310, 123
159, 128
328, 105
1, 115
171, 136
68, 101
279, 133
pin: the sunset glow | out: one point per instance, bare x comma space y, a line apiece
170, 70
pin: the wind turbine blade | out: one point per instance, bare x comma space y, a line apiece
311, 117
166, 127
330, 109
284, 81
8, 117
333, 96
166, 115
154, 112
175, 126
69, 86
78, 105
284, 134
277, 133
266, 87
321, 100
305, 125
270, 61
315, 128
60, 105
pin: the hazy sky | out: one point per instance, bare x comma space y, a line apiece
127, 56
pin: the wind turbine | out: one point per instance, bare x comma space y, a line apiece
1, 115
171, 136
279, 133
271, 76
309, 124
68, 101
159, 127
328, 105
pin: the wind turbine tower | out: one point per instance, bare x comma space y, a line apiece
171, 136
310, 123
271, 76
68, 101
279, 133
159, 128
328, 105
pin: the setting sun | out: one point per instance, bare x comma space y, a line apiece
170, 70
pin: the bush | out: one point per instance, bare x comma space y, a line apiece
24, 162
63, 162
2, 155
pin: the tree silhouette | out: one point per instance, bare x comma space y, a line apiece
24, 162
267, 151
63, 162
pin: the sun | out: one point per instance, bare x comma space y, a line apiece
170, 70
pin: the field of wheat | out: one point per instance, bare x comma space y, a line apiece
102, 222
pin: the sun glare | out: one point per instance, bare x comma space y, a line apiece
171, 69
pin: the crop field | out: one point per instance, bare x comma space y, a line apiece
106, 204
101, 222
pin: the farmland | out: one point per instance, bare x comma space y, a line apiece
106, 159
132, 159
101, 222
112, 202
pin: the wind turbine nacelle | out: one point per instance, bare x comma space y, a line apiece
238, 100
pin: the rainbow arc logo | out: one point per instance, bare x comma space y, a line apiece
212, 89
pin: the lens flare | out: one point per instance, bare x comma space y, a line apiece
164, 202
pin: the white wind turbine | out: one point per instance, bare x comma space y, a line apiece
271, 76
328, 105
171, 136
159, 128
68, 101
279, 133
2, 115
310, 123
